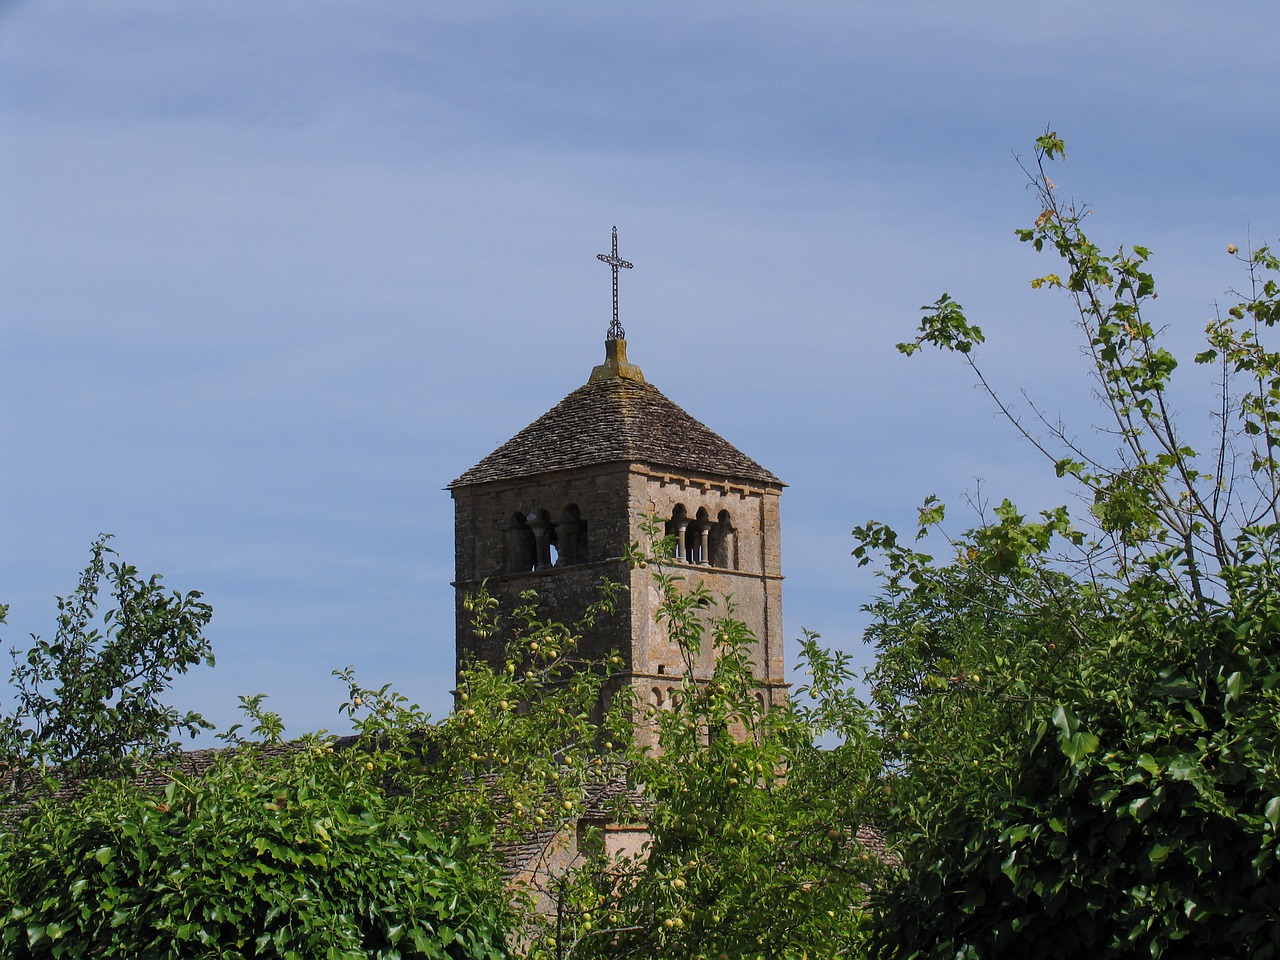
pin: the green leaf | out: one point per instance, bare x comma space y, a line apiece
1237, 684
1064, 720
1183, 767
1141, 808
1079, 745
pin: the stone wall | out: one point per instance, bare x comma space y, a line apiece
559, 534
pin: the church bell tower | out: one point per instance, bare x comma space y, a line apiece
554, 509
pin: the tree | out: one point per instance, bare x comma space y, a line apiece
1079, 710
754, 843
90, 697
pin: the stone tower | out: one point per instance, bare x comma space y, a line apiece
553, 510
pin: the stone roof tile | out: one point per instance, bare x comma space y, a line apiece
615, 420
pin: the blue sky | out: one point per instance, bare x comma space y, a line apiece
272, 274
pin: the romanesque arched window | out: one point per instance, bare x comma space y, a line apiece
697, 543
677, 527
571, 537
544, 538
702, 540
520, 553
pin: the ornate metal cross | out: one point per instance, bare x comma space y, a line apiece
617, 263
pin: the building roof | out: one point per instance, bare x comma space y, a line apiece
616, 418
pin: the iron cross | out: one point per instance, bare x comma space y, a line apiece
617, 263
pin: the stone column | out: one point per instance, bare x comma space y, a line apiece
542, 539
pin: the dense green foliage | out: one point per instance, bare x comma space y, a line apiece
293, 854
1123, 800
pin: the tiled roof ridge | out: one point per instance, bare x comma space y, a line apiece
616, 420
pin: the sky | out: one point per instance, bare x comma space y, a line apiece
271, 275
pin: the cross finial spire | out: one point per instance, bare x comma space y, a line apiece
616, 263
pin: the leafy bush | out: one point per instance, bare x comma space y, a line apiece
289, 853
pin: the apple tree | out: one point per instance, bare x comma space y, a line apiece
756, 835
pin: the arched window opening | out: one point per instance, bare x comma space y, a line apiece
657, 697
520, 552
676, 528
723, 542
571, 537
544, 537
697, 542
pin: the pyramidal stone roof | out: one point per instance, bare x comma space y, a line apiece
616, 418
